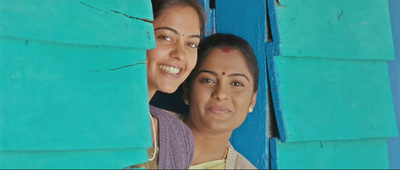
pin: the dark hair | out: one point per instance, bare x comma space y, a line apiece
159, 6
220, 40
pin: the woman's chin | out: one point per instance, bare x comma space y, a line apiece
168, 90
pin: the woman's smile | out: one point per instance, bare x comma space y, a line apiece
173, 71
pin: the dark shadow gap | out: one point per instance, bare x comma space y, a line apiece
269, 34
212, 4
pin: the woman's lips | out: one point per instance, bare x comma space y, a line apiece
219, 110
170, 71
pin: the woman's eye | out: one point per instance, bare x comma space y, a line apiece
237, 84
165, 38
206, 80
193, 45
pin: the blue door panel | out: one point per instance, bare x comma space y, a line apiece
247, 19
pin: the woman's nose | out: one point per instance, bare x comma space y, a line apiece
220, 93
178, 53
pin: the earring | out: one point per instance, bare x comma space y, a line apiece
250, 109
186, 102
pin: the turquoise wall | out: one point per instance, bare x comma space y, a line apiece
71, 73
70, 76
332, 104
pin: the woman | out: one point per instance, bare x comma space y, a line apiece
220, 92
177, 28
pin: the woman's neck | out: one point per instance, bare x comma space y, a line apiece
208, 146
151, 93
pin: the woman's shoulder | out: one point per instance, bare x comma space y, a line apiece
176, 139
238, 161
172, 118
176, 115
243, 163
171, 123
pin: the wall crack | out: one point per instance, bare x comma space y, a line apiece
117, 12
118, 68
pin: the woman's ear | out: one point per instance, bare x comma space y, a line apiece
253, 101
185, 93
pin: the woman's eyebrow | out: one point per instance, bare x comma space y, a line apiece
216, 74
168, 28
194, 36
207, 71
238, 74
176, 32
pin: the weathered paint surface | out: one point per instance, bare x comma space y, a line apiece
55, 94
326, 96
331, 86
72, 159
358, 154
342, 29
394, 72
85, 22
70, 74
323, 99
250, 139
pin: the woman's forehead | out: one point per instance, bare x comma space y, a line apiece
220, 60
184, 19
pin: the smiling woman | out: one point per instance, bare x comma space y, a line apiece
177, 37
220, 92
177, 28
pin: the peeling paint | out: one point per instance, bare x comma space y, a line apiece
148, 35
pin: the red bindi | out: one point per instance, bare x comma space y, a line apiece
223, 73
226, 49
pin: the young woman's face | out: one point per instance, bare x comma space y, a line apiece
222, 92
177, 32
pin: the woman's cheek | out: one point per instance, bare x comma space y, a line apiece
199, 94
192, 58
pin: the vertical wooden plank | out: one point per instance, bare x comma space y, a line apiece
210, 25
394, 72
247, 19
271, 50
